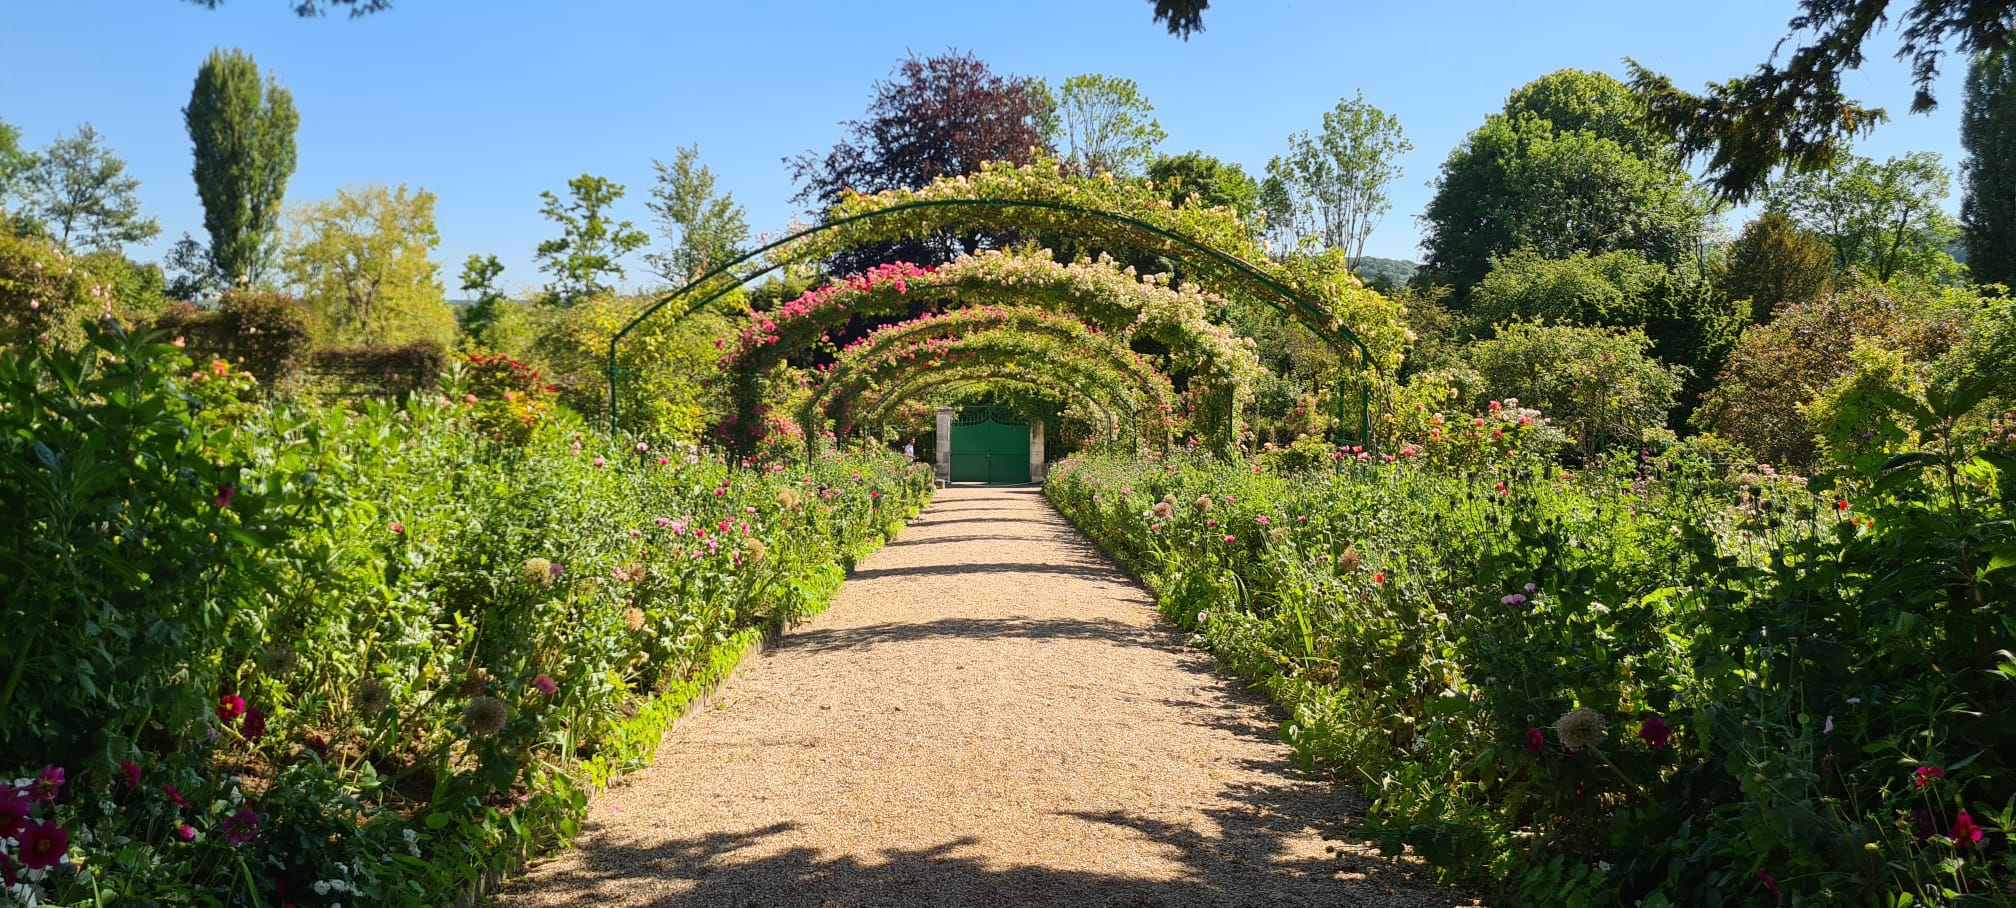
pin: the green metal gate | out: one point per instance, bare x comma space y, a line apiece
989, 445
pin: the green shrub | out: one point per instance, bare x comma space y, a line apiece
1600, 385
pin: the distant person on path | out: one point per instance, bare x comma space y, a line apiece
909, 448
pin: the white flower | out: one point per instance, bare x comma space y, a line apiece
321, 887
1580, 727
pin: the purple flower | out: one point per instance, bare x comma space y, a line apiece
43, 846
1655, 732
1536, 741
131, 771
46, 785
255, 724
14, 808
241, 827
175, 794
1514, 599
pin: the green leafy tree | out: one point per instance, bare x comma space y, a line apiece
1099, 123
243, 133
361, 263
14, 163
1882, 219
1333, 187
1213, 183
1988, 132
701, 229
1793, 113
1520, 181
480, 275
1773, 262
587, 256
85, 197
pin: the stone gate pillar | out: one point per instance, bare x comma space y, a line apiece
944, 445
1036, 449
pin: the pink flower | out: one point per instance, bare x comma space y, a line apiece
1925, 774
1771, 885
1231, 538
175, 794
225, 492
599, 462
131, 771
397, 528
43, 846
47, 784
1655, 732
229, 707
255, 724
1514, 599
546, 685
1535, 741
14, 808
186, 832
1262, 519
1964, 830
241, 827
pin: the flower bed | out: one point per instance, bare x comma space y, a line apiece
374, 657
1644, 684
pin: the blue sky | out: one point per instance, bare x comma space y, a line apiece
488, 103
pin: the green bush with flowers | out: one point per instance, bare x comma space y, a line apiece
1647, 681
279, 654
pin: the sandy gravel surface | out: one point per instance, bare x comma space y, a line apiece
989, 715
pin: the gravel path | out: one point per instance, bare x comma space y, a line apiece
989, 715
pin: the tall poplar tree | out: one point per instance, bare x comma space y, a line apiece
242, 129
1988, 133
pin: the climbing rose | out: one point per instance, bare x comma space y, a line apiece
131, 771
1655, 732
1964, 830
1926, 774
46, 785
43, 846
1535, 741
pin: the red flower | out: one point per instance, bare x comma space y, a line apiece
131, 771
1926, 774
14, 807
1655, 732
225, 492
43, 846
1964, 830
230, 706
175, 795
1771, 884
1535, 741
1840, 505
255, 724
46, 785
1379, 577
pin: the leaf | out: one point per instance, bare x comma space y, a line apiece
1914, 458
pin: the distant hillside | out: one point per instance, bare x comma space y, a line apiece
1385, 274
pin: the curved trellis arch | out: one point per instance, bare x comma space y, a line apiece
977, 201
874, 411
931, 340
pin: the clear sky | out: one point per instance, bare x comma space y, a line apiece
487, 102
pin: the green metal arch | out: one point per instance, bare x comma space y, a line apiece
1125, 390
1307, 310
923, 384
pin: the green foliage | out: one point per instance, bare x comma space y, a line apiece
243, 133
479, 276
1522, 181
1647, 683
42, 290
701, 229
1333, 188
265, 335
671, 375
1988, 203
14, 162
1758, 400
1600, 384
361, 261
83, 196
1388, 276
586, 258
1212, 182
393, 647
1099, 123
1883, 220
1773, 262
1791, 113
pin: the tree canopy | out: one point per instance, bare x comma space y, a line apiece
587, 257
243, 133
1988, 132
1214, 183
701, 228
362, 262
84, 197
1882, 219
1794, 113
1773, 262
1332, 187
1099, 123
